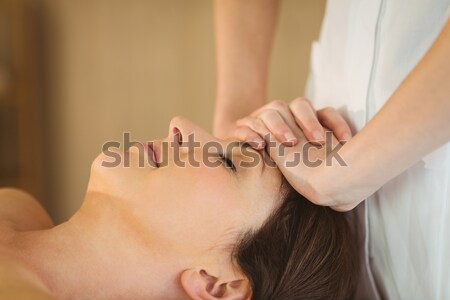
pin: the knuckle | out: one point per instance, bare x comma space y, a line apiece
259, 124
268, 113
303, 100
243, 136
243, 133
243, 121
277, 104
298, 103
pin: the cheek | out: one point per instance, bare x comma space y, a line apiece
199, 187
201, 192
193, 207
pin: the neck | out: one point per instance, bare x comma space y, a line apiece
97, 254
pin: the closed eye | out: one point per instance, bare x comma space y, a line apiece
228, 162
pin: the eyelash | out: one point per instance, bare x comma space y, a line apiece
228, 162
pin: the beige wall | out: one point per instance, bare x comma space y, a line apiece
116, 66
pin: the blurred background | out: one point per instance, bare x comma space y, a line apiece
77, 73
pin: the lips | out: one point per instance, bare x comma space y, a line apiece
153, 152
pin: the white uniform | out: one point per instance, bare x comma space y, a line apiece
366, 48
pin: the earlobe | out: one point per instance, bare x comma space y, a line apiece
199, 285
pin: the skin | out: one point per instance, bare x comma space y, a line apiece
144, 233
244, 34
418, 111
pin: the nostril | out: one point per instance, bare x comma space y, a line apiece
178, 138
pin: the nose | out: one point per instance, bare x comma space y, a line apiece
184, 130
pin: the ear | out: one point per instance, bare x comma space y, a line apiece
199, 285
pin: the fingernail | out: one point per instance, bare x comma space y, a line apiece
289, 137
318, 136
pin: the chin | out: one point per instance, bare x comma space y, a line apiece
108, 159
103, 173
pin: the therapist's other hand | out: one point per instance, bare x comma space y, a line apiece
291, 128
280, 119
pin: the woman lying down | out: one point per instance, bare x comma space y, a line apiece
211, 229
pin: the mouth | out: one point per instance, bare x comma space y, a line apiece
153, 153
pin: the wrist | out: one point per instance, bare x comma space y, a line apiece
333, 181
229, 110
344, 186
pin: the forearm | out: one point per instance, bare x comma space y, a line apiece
244, 33
414, 122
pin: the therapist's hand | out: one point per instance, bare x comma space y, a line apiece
282, 120
294, 128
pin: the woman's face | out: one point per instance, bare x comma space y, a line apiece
195, 208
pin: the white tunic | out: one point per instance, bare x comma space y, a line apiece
366, 48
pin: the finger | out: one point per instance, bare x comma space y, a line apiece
247, 135
330, 117
306, 118
278, 127
277, 152
278, 105
255, 124
282, 108
287, 117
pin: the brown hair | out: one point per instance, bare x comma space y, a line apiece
303, 251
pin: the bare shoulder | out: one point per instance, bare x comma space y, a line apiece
16, 282
20, 211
